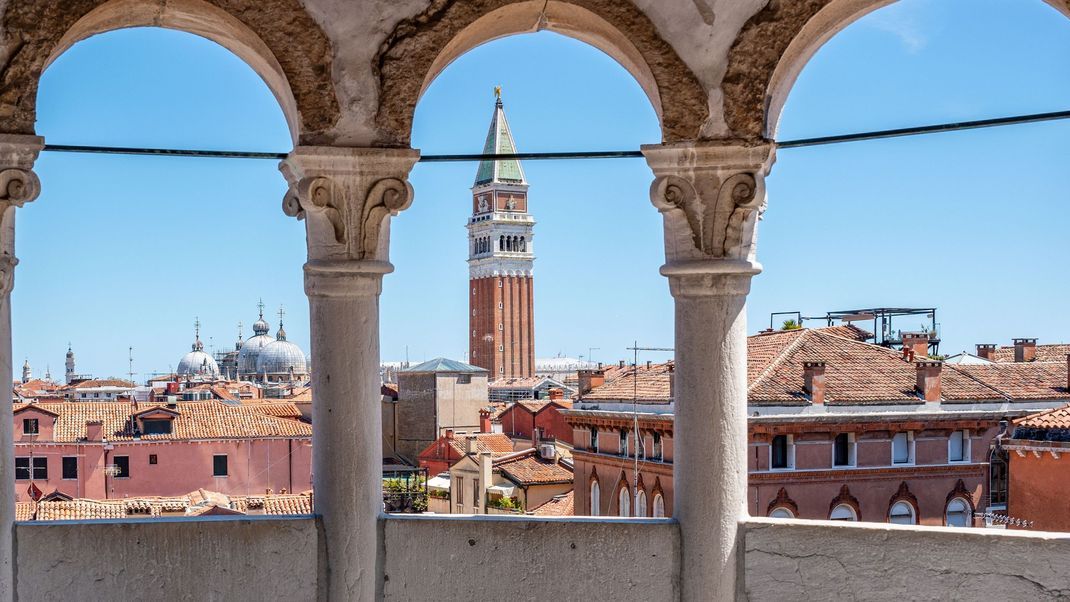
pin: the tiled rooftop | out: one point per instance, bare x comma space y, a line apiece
196, 503
498, 443
559, 505
196, 420
528, 468
1045, 353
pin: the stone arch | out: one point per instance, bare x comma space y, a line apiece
276, 38
783, 500
903, 494
846, 499
422, 46
773, 47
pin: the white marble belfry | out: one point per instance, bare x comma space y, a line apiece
346, 197
711, 197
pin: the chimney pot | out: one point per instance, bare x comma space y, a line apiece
986, 351
470, 444
648, 364
918, 342
1025, 350
484, 421
622, 363
814, 381
590, 379
449, 433
928, 379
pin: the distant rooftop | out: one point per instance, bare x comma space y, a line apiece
441, 364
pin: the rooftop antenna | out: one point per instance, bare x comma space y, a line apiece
590, 354
635, 349
130, 364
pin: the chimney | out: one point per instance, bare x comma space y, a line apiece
449, 433
94, 430
590, 379
1025, 350
484, 422
918, 342
986, 351
648, 364
470, 445
556, 394
928, 385
814, 381
535, 437
622, 363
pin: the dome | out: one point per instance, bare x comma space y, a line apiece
197, 363
250, 351
281, 357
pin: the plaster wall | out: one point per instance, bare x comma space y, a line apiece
1035, 486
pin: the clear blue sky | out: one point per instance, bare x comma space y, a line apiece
126, 251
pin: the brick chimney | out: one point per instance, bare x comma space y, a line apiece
470, 445
1068, 372
928, 384
484, 422
94, 430
814, 381
449, 433
621, 365
986, 351
918, 342
556, 394
590, 379
1025, 350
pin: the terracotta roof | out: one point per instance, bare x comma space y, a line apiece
651, 384
209, 419
517, 383
528, 468
495, 443
282, 410
1056, 419
559, 505
195, 503
1021, 380
23, 510
101, 382
1045, 353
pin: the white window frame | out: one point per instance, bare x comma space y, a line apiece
910, 449
966, 448
782, 510
850, 510
596, 497
965, 509
791, 454
910, 512
852, 452
640, 504
624, 502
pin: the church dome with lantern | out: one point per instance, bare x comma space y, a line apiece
281, 360
197, 362
250, 350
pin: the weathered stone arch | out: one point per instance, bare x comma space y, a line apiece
421, 47
277, 38
772, 49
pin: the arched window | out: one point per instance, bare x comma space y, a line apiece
659, 506
998, 474
958, 513
501, 243
781, 512
902, 513
843, 512
624, 442
624, 499
596, 498
523, 245
640, 504
594, 439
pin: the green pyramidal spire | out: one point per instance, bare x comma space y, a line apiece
499, 142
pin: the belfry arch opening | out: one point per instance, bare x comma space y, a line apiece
134, 268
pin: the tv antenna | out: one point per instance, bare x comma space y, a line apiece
635, 349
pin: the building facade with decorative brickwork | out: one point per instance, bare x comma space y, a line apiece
500, 261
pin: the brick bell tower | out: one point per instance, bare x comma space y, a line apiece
500, 261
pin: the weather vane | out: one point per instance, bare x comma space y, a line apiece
498, 92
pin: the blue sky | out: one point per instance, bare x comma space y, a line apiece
126, 251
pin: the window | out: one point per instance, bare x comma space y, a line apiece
219, 465
903, 448
958, 447
475, 493
656, 451
156, 427
458, 486
782, 452
30, 426
998, 475
958, 513
22, 469
781, 512
659, 506
596, 498
500, 305
624, 442
499, 283
902, 513
122, 467
464, 379
624, 502
594, 440
70, 467
843, 512
640, 504
152, 458
501, 347
843, 450
501, 326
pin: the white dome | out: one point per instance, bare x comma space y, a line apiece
281, 357
250, 351
196, 363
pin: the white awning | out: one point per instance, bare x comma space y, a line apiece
438, 483
502, 490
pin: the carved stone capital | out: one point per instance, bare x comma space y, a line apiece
345, 196
18, 183
711, 197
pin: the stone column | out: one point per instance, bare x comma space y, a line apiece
711, 197
18, 185
346, 197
